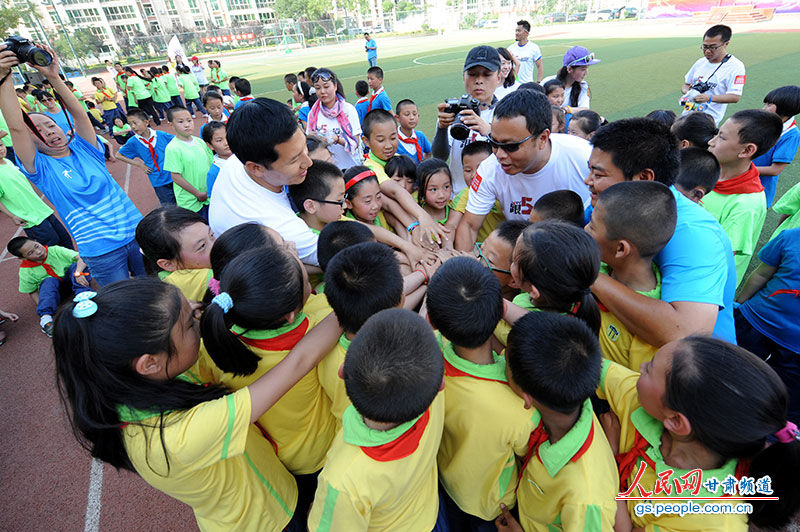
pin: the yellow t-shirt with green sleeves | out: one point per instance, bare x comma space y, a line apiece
376, 165
192, 283
328, 371
618, 387
503, 327
485, 426
492, 220
617, 342
571, 484
218, 463
379, 220
300, 423
380, 481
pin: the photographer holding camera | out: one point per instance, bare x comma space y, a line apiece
716, 79
475, 110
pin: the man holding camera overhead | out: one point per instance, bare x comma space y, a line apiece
716, 79
481, 78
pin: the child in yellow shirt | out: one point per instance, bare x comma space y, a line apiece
380, 473
485, 422
121, 355
631, 222
569, 476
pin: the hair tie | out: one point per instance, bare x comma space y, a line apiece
84, 306
575, 308
213, 286
224, 301
357, 178
788, 434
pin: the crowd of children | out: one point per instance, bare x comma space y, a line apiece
395, 378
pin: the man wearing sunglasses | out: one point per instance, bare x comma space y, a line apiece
717, 78
481, 78
527, 163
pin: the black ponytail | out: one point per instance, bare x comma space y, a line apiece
156, 234
561, 261
265, 285
735, 402
94, 364
575, 88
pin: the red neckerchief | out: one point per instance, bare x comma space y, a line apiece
246, 98
283, 342
362, 100
412, 140
747, 183
372, 98
31, 264
402, 446
626, 462
539, 436
452, 371
149, 143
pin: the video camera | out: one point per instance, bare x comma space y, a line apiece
27, 52
459, 130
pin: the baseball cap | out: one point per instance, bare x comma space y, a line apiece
194, 58
484, 56
579, 56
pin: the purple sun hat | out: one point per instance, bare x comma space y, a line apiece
579, 56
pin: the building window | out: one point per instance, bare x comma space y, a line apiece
119, 12
239, 4
80, 16
266, 17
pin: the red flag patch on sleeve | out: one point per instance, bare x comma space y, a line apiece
476, 182
739, 80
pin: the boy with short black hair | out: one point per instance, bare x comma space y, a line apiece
569, 477
172, 87
188, 159
381, 472
379, 99
738, 201
360, 281
631, 223
699, 173
340, 235
412, 142
149, 146
564, 205
485, 423
472, 156
232, 86
289, 81
785, 102
496, 253
379, 133
362, 105
319, 199
44, 272
241, 88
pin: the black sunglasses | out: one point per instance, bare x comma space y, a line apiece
324, 75
508, 147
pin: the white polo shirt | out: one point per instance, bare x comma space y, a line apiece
238, 199
527, 56
729, 79
566, 169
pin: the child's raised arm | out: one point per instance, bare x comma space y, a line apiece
308, 352
20, 136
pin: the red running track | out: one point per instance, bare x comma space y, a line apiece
48, 480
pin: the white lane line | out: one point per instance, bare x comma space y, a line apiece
3, 257
95, 501
127, 177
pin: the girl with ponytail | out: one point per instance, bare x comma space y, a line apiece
702, 404
124, 360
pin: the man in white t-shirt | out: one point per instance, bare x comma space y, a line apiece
481, 78
250, 185
527, 53
528, 162
716, 79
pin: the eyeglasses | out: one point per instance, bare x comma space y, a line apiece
584, 59
476, 249
340, 203
508, 147
324, 75
711, 47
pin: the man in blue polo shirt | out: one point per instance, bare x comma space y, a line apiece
372, 50
698, 275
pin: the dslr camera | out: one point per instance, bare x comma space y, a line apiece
27, 52
459, 130
703, 86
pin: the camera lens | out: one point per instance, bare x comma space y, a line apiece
40, 57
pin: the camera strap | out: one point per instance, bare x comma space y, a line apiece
5, 77
724, 60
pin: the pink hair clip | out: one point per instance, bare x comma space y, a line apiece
213, 285
788, 433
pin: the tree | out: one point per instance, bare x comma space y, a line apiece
9, 19
302, 9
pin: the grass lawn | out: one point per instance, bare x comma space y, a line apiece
635, 77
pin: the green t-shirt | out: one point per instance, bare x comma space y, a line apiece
137, 88
160, 92
788, 204
524, 300
78, 94
172, 85
121, 130
4, 126
191, 90
742, 217
192, 161
18, 196
58, 258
